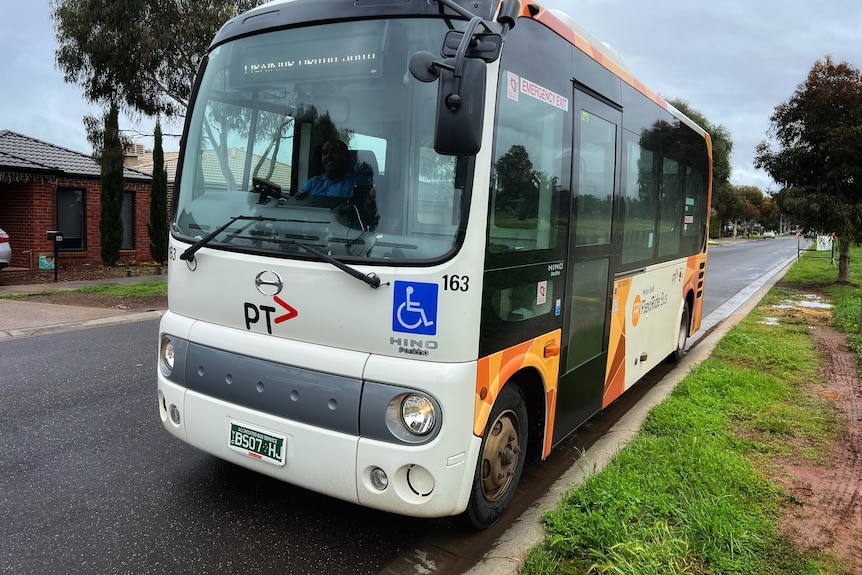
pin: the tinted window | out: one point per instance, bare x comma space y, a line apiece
70, 218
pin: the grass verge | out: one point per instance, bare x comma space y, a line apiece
691, 493
141, 289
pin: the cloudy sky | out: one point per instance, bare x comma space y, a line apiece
733, 60
34, 99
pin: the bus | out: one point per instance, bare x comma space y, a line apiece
520, 236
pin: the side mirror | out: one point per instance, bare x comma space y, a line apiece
461, 90
460, 110
486, 46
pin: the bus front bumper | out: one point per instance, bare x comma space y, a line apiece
430, 480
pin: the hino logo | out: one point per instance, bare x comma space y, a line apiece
268, 283
413, 346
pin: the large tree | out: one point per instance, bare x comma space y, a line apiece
748, 206
141, 54
818, 158
722, 146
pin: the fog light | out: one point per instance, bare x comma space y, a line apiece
420, 480
175, 414
379, 480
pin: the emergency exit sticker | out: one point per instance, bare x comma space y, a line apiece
512, 83
542, 292
517, 85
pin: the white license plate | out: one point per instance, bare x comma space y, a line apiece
257, 443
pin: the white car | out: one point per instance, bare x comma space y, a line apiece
5, 250
769, 234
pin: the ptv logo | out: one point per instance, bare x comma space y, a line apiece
254, 314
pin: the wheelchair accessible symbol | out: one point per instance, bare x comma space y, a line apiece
414, 308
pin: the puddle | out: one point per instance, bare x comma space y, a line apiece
815, 304
807, 302
811, 301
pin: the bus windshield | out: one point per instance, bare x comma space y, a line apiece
269, 113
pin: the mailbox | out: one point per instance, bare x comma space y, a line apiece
55, 236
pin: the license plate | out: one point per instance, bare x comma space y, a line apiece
257, 443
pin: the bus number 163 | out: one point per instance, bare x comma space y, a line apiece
456, 283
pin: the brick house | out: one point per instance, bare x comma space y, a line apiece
47, 187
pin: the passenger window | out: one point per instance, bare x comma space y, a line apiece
598, 144
639, 203
525, 203
524, 301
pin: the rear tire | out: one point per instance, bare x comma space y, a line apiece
682, 335
501, 459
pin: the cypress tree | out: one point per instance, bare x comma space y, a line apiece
157, 228
111, 162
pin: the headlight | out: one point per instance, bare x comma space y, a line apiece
411, 417
417, 414
166, 353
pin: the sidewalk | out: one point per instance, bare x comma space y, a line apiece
22, 318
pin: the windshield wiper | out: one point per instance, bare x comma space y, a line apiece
371, 279
189, 254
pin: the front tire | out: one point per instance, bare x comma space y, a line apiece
501, 459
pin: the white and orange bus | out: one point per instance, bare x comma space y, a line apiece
521, 237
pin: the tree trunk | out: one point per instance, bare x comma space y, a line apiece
843, 262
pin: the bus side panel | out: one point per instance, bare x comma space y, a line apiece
644, 323
494, 371
615, 375
694, 282
579, 396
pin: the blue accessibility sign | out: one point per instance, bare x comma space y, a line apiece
414, 308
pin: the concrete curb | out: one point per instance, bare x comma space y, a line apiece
79, 324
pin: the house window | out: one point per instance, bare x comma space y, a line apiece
70, 218
128, 218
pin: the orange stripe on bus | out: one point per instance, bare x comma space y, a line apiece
495, 370
551, 21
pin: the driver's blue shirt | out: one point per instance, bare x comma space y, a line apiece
341, 188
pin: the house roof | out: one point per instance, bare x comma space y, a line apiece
213, 170
145, 164
20, 153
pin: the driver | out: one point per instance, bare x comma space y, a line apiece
339, 176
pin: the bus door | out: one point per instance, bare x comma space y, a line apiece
595, 176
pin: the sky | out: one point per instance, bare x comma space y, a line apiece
34, 99
731, 60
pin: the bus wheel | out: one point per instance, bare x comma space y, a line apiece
501, 460
682, 335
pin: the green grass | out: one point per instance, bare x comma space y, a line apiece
691, 493
814, 271
142, 289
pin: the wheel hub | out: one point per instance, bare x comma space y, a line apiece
500, 455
